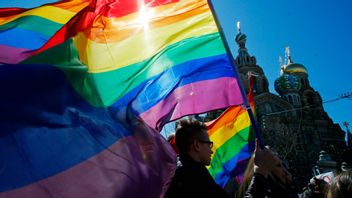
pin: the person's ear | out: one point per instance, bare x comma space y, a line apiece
196, 145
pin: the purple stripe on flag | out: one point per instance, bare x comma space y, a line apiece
205, 96
12, 55
119, 171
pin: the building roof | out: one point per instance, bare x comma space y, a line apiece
295, 68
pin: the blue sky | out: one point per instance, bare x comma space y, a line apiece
319, 34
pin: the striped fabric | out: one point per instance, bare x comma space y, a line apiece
23, 31
234, 141
81, 109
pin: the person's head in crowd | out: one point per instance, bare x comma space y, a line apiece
172, 140
270, 168
279, 172
171, 137
192, 139
342, 186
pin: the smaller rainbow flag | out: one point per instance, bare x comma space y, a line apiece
234, 142
24, 31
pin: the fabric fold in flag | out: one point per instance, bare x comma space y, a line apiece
23, 31
82, 108
56, 143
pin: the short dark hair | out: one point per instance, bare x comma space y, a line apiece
170, 137
187, 131
342, 186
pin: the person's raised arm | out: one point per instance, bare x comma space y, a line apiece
263, 164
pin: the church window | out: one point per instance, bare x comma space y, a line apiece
260, 110
255, 85
290, 99
268, 108
276, 108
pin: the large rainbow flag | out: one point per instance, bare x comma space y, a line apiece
234, 142
87, 85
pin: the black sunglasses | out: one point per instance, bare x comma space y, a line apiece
211, 144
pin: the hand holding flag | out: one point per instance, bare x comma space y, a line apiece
263, 160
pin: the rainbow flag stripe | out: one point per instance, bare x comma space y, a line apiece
185, 31
56, 144
82, 108
234, 142
23, 31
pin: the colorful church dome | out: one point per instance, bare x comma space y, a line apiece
295, 68
287, 83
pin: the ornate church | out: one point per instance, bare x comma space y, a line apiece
293, 122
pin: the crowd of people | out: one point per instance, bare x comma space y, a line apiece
266, 175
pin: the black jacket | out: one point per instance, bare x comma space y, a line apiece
192, 179
261, 187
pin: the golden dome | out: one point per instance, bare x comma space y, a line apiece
295, 68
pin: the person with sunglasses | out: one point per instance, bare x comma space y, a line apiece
192, 178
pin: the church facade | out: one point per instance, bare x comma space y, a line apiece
293, 122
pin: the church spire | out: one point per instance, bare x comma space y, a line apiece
287, 55
240, 38
238, 27
243, 57
282, 66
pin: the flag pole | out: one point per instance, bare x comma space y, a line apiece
243, 92
347, 135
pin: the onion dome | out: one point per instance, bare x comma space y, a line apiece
241, 39
295, 68
287, 83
